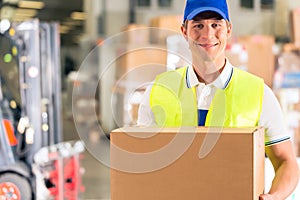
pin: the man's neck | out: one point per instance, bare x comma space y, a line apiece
208, 78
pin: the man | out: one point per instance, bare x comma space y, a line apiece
212, 92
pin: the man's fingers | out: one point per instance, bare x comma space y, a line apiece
265, 197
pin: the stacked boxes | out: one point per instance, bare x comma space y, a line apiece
130, 57
295, 26
140, 57
136, 34
289, 99
164, 26
253, 53
136, 67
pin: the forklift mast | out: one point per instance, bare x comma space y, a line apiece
40, 85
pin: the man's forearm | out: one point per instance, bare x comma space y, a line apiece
285, 180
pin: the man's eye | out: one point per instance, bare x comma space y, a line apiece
215, 25
199, 26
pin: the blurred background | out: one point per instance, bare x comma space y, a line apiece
102, 47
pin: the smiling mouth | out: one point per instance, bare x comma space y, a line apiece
208, 45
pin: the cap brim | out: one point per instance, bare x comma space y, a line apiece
203, 9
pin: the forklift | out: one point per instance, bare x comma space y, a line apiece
35, 163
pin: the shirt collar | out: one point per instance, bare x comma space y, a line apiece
221, 82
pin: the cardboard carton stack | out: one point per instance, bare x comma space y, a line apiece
136, 34
164, 26
237, 54
287, 81
254, 53
294, 45
141, 55
295, 26
137, 64
135, 57
289, 99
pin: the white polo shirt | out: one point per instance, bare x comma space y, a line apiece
271, 115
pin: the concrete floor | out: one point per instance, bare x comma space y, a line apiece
96, 177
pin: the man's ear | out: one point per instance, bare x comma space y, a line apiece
229, 29
184, 32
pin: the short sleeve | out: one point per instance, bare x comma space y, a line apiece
272, 119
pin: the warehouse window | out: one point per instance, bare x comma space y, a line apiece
154, 4
164, 3
267, 4
143, 3
247, 4
257, 4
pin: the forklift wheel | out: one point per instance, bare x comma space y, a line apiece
13, 186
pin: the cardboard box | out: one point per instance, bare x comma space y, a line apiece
237, 53
165, 26
164, 164
136, 67
261, 59
150, 59
136, 34
295, 26
290, 47
289, 99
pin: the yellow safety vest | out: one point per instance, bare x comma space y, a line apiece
238, 105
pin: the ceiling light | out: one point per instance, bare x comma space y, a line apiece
63, 32
20, 18
4, 25
31, 4
10, 1
64, 28
72, 23
78, 15
25, 12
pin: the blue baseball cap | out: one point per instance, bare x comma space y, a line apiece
194, 7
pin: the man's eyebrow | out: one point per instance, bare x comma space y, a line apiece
196, 21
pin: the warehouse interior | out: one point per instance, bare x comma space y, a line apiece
99, 56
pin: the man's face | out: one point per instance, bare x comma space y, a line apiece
207, 39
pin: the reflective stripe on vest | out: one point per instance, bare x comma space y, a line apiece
239, 105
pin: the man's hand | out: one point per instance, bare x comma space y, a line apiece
266, 197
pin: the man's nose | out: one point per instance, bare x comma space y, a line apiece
207, 32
